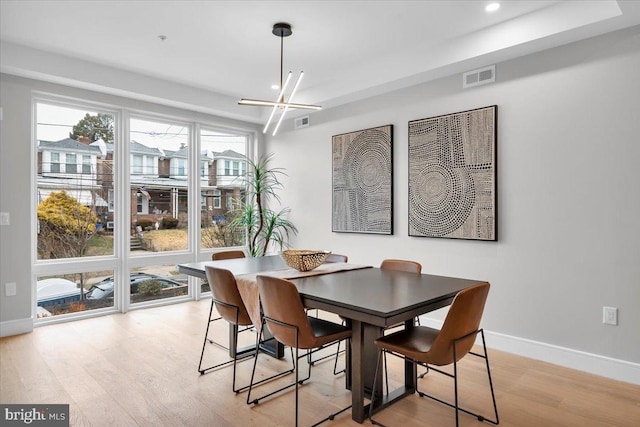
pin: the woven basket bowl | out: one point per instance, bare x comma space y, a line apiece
304, 260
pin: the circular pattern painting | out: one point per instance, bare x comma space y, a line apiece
441, 199
367, 164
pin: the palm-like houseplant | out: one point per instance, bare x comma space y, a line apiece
261, 224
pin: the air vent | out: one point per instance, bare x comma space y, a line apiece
301, 122
479, 77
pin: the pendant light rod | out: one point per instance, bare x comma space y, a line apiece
281, 60
282, 30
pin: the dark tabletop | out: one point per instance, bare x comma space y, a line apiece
237, 266
372, 295
389, 296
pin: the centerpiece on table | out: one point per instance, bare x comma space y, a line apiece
304, 259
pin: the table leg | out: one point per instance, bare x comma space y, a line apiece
369, 358
363, 365
410, 370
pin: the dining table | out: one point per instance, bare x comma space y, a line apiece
371, 299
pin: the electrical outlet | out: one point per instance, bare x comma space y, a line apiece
10, 289
4, 218
610, 316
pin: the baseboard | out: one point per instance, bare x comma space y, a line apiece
608, 367
15, 327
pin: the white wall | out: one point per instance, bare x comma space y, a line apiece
568, 196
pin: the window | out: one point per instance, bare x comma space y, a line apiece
136, 164
142, 203
156, 282
55, 162
83, 202
224, 191
65, 293
86, 164
148, 165
110, 200
163, 147
71, 163
153, 191
182, 167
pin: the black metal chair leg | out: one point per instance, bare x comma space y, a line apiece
335, 361
206, 334
373, 391
297, 381
456, 405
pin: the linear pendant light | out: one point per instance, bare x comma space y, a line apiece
281, 30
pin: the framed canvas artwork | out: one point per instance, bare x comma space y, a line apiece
363, 181
452, 175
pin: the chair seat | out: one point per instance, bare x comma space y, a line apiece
326, 332
414, 342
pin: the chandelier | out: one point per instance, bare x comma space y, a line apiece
281, 30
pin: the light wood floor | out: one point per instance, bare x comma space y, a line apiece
140, 368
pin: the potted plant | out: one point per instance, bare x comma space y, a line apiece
261, 224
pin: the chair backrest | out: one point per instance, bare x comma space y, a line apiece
462, 319
216, 256
401, 265
225, 289
281, 301
336, 258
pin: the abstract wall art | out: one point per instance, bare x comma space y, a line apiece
452, 175
363, 181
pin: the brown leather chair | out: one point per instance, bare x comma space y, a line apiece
285, 317
336, 258
430, 347
227, 300
401, 265
217, 256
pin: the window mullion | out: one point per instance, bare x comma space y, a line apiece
122, 167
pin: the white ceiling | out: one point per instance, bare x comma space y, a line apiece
347, 49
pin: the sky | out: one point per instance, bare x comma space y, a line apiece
56, 122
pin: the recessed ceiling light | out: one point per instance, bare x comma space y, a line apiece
492, 7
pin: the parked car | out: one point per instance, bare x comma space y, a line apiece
56, 291
104, 289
